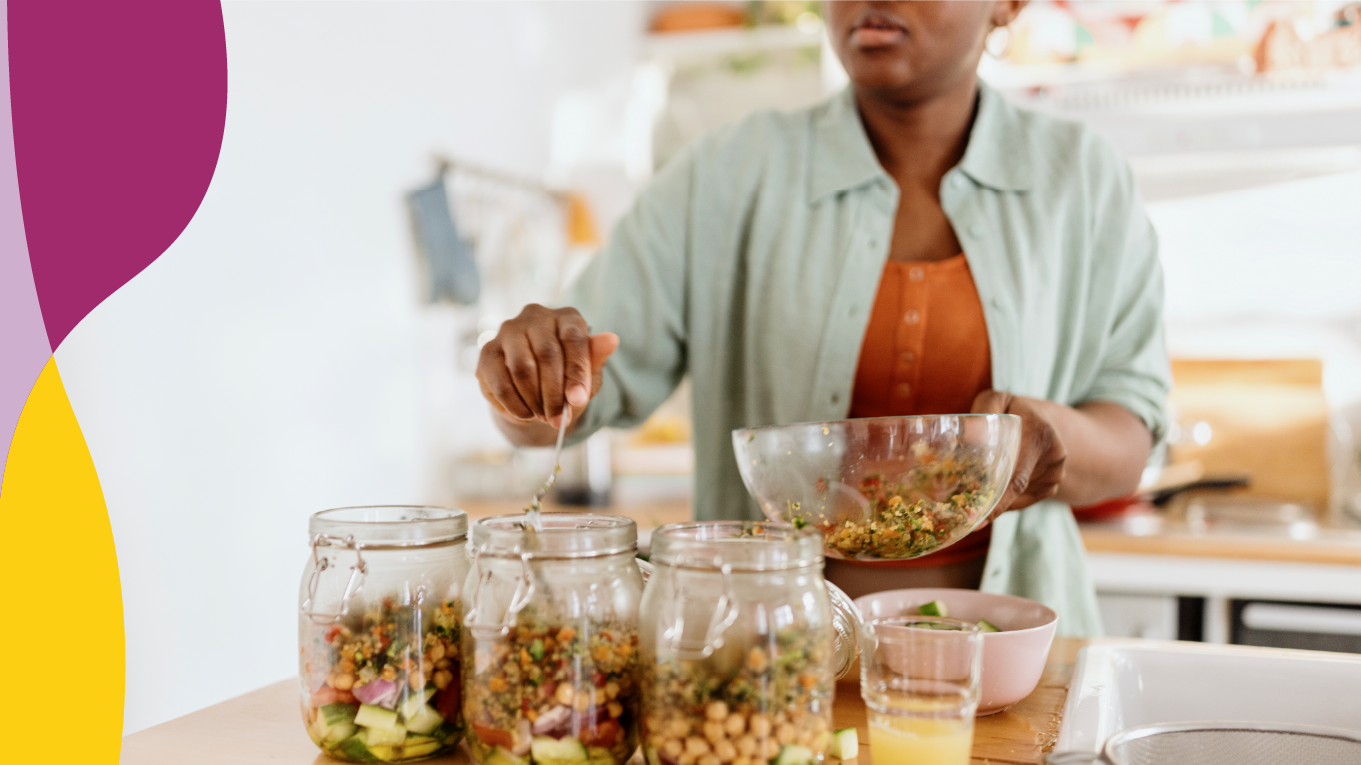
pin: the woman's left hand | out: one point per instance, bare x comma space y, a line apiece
1042, 458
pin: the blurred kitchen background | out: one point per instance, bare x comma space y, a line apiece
397, 179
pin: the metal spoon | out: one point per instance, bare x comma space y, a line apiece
535, 505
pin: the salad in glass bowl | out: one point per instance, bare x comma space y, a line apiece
885, 487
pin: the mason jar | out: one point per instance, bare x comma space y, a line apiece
551, 644
742, 643
379, 620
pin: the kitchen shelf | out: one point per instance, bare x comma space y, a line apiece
686, 45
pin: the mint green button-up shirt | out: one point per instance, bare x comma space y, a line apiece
752, 260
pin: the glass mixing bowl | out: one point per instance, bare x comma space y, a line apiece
885, 488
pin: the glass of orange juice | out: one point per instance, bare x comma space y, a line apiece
919, 678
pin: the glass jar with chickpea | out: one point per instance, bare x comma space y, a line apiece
380, 623
551, 645
742, 641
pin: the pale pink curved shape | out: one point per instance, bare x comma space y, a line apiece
23, 340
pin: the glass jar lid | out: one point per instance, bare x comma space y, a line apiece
390, 526
564, 535
739, 545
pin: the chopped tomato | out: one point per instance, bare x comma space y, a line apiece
494, 736
604, 735
331, 633
447, 700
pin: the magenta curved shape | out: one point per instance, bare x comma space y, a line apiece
118, 108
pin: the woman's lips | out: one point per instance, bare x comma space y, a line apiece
877, 35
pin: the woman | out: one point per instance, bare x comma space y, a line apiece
915, 245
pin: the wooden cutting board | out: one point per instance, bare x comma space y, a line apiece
1268, 418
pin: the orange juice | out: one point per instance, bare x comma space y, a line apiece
906, 740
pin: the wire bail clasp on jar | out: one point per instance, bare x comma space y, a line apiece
724, 615
321, 563
524, 592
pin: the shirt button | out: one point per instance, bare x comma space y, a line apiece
836, 398
872, 242
916, 273
976, 230
908, 357
912, 317
903, 390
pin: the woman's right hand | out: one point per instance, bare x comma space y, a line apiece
540, 362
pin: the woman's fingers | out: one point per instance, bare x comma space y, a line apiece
523, 371
575, 338
542, 361
493, 377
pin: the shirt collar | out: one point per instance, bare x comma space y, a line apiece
843, 159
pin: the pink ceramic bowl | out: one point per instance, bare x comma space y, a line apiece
1013, 659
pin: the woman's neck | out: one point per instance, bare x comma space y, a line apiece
919, 141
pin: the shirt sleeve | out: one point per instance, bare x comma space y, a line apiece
636, 288
1134, 371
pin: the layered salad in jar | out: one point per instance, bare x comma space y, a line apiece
385, 686
553, 692
766, 701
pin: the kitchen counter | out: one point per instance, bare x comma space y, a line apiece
264, 726
1154, 534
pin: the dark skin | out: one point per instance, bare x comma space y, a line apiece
912, 66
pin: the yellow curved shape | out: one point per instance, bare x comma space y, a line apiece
62, 631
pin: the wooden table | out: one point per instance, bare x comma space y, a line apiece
265, 726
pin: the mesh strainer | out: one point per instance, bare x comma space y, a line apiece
1222, 744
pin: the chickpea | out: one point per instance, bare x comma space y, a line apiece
714, 731
600, 697
427, 666
582, 702
771, 749
678, 728
746, 746
786, 734
437, 651
565, 694
443, 678
741, 760
347, 666
736, 725
696, 746
416, 680
756, 660
343, 682
443, 664
673, 748
725, 750
615, 709
686, 759
819, 724
708, 759
612, 689
716, 711
760, 725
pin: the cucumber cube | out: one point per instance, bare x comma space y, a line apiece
375, 717
394, 736
424, 722
934, 608
544, 748
845, 744
338, 713
795, 755
414, 703
986, 626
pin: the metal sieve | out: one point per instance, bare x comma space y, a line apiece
1227, 743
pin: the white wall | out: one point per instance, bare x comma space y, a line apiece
269, 364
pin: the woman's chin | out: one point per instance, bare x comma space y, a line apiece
881, 76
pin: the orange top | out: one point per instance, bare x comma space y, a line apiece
925, 352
